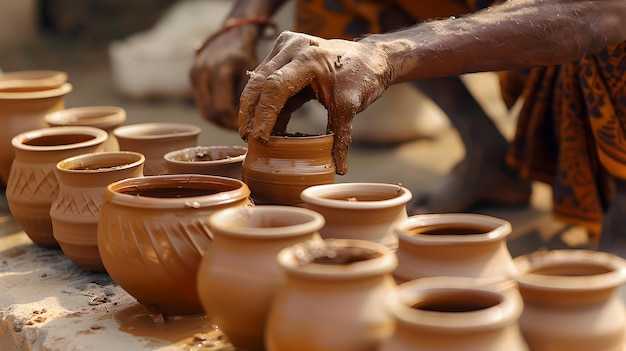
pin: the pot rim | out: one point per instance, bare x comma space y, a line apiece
507, 310
64, 89
233, 221
98, 116
527, 264
501, 228
99, 136
32, 78
156, 130
239, 190
384, 264
318, 195
170, 156
133, 159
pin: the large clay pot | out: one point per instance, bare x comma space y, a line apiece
222, 161
455, 314
24, 109
572, 300
103, 117
76, 208
453, 244
367, 211
333, 298
32, 183
239, 274
154, 140
153, 231
279, 170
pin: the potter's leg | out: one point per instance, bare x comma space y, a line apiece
613, 235
482, 175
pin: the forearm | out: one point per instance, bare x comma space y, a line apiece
518, 34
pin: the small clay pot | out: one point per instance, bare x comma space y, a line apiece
75, 210
103, 117
239, 274
455, 314
33, 185
572, 300
366, 211
222, 161
154, 140
31, 80
278, 171
153, 231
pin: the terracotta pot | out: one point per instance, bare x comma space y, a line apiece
222, 161
31, 80
153, 231
239, 274
76, 209
572, 300
103, 117
278, 171
333, 297
154, 140
32, 183
455, 314
453, 244
367, 211
21, 111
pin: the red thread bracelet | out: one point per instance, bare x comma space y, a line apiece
232, 23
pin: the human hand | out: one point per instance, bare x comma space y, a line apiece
344, 76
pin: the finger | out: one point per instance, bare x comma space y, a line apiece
223, 95
342, 137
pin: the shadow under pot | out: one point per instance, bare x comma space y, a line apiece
33, 185
278, 171
76, 209
153, 231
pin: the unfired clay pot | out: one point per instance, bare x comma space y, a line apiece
103, 117
239, 274
223, 161
24, 109
32, 183
76, 208
367, 211
572, 300
453, 244
278, 171
154, 140
153, 231
333, 297
455, 314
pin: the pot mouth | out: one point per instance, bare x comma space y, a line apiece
104, 117
265, 221
338, 259
31, 80
207, 155
101, 162
59, 138
191, 191
456, 303
570, 270
157, 130
43, 93
449, 228
365, 196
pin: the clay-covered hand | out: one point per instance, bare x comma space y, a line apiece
344, 76
218, 74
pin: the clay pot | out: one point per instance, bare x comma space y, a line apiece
572, 300
153, 231
76, 209
455, 314
453, 244
367, 211
32, 183
239, 274
22, 110
278, 171
154, 140
333, 297
222, 161
31, 80
103, 117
